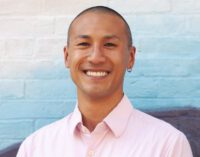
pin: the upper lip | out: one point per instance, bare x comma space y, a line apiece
95, 70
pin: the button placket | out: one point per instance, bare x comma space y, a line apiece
90, 153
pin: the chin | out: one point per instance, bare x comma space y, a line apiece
94, 94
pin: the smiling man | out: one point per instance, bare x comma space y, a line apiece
104, 123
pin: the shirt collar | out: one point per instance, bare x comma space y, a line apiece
116, 120
76, 119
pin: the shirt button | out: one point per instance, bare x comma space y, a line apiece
90, 153
84, 130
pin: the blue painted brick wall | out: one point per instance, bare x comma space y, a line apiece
35, 87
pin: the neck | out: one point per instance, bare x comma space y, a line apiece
94, 110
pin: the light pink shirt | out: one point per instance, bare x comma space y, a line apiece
125, 132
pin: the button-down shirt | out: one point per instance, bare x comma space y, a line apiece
125, 132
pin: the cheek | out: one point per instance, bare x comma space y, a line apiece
75, 61
73, 58
120, 59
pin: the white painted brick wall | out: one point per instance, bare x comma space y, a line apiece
141, 6
61, 25
19, 48
186, 6
2, 48
63, 7
19, 26
50, 48
11, 89
21, 7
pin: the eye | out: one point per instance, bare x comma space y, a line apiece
110, 45
83, 44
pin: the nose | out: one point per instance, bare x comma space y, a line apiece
96, 56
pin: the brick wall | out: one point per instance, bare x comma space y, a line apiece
35, 87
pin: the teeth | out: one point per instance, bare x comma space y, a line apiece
96, 73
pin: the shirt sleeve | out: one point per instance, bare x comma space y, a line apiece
21, 152
181, 147
25, 150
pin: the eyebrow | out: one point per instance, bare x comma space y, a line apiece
106, 37
83, 36
112, 36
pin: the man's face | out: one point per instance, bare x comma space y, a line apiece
98, 54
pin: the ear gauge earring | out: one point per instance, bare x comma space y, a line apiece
129, 70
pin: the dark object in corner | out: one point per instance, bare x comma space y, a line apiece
187, 120
10, 151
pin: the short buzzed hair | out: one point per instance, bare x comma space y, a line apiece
104, 10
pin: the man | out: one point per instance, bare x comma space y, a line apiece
104, 123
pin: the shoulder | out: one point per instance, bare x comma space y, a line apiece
52, 130
154, 127
159, 134
149, 121
46, 138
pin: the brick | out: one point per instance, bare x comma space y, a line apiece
44, 26
63, 7
140, 6
194, 68
193, 24
4, 143
13, 128
22, 27
186, 6
26, 27
163, 87
27, 109
164, 103
16, 69
20, 7
166, 68
50, 89
19, 48
50, 48
62, 24
10, 89
2, 49
176, 47
157, 24
49, 70
39, 69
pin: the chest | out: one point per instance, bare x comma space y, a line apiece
100, 146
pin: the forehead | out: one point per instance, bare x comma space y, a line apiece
97, 22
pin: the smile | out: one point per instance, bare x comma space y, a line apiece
97, 73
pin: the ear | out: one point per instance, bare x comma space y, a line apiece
66, 57
131, 60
